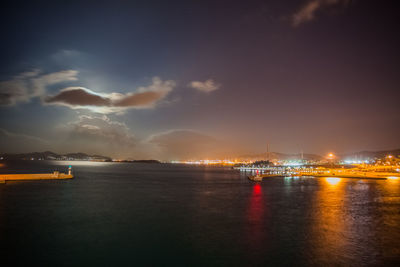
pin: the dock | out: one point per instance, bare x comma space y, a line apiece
56, 175
352, 174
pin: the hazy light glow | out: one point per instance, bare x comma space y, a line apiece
331, 156
294, 163
333, 180
79, 163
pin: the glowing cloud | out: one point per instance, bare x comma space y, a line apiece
144, 97
78, 96
98, 135
207, 86
308, 11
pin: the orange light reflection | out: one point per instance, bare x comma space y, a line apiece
333, 180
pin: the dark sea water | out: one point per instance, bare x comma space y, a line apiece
124, 214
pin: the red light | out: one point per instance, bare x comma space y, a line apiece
255, 218
257, 189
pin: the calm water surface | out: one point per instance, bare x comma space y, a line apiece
119, 214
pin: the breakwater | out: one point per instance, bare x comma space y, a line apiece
35, 176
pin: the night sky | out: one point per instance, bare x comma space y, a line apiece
199, 79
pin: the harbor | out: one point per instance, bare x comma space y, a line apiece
379, 168
322, 172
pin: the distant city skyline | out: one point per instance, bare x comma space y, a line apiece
180, 80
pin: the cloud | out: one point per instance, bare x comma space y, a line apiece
19, 143
308, 11
88, 134
26, 85
207, 86
40, 83
181, 144
68, 57
144, 97
104, 136
94, 129
97, 135
78, 96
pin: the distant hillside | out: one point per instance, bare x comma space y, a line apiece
372, 154
281, 156
141, 161
48, 155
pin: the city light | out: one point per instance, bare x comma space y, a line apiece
293, 163
223, 162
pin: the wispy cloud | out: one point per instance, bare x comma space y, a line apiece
206, 86
102, 128
96, 134
40, 83
26, 85
307, 12
83, 98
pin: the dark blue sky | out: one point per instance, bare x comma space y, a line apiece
317, 75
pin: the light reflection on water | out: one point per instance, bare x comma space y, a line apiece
328, 222
333, 180
345, 223
256, 218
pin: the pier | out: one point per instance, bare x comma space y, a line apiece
56, 175
321, 172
